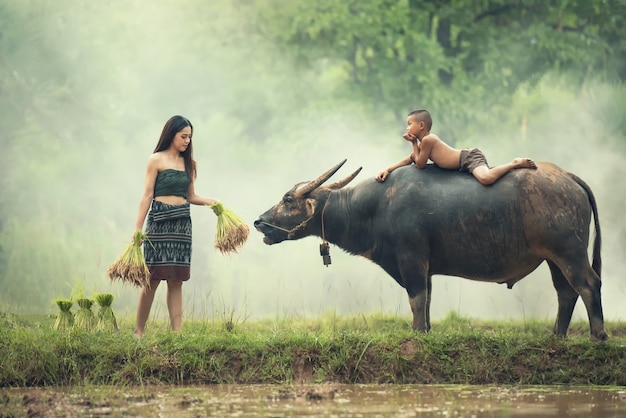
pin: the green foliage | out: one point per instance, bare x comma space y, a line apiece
398, 55
85, 88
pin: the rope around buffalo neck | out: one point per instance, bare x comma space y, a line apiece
323, 210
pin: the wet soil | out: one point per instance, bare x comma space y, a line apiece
315, 400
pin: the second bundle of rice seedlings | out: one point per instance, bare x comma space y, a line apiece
105, 317
231, 232
130, 266
84, 317
65, 317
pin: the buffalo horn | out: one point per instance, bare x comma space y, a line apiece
314, 184
341, 183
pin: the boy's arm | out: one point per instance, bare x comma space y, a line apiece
383, 174
423, 149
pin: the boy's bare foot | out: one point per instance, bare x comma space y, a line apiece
523, 163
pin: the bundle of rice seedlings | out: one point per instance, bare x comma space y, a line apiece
84, 318
130, 266
65, 318
231, 232
105, 318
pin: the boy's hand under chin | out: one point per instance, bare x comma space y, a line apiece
409, 137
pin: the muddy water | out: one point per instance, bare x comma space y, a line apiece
315, 401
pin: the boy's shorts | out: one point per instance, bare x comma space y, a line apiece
471, 158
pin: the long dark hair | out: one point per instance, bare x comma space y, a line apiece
173, 126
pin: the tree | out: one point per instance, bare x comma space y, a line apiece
448, 55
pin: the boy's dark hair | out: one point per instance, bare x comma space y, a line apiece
422, 115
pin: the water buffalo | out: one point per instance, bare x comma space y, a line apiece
434, 221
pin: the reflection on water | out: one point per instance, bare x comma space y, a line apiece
326, 400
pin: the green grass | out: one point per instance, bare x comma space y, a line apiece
363, 349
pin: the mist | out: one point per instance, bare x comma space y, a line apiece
260, 126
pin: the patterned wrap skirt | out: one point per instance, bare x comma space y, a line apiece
167, 249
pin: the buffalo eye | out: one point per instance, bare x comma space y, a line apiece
287, 199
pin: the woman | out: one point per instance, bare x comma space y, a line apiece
169, 189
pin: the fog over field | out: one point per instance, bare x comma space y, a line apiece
142, 62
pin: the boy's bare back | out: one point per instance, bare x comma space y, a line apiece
432, 148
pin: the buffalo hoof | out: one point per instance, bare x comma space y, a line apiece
600, 336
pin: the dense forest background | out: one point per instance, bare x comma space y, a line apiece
278, 92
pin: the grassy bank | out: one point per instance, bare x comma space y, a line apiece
364, 349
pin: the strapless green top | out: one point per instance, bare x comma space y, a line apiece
171, 182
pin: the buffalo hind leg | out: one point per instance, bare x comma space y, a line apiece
590, 294
567, 297
586, 283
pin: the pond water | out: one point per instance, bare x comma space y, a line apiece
327, 400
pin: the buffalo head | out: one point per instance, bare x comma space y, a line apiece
299, 212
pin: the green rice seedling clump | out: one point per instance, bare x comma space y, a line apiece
105, 319
65, 317
231, 231
84, 318
130, 266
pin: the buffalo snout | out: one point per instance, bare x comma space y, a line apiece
271, 234
261, 225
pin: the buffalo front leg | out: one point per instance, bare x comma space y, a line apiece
418, 307
419, 300
429, 291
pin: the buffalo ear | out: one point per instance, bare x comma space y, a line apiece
310, 206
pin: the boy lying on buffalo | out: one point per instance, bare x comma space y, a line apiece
428, 146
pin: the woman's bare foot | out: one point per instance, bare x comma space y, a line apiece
523, 163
